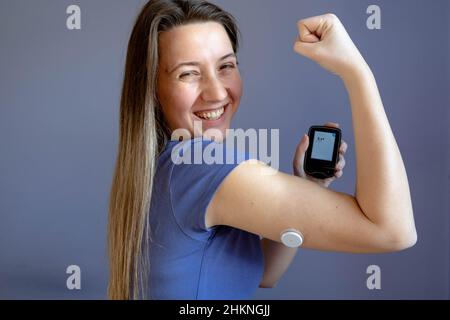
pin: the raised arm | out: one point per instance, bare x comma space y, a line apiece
382, 188
378, 218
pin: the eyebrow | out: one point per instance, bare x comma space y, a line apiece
195, 63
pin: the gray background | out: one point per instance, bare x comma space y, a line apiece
59, 95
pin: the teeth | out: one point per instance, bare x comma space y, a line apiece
214, 115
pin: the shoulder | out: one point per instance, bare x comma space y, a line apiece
202, 164
198, 168
203, 151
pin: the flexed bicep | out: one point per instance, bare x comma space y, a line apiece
267, 204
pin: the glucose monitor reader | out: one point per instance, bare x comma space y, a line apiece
292, 238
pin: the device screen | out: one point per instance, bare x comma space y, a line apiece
323, 145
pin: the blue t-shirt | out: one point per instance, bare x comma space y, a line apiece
188, 260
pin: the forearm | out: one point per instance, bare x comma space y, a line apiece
382, 188
277, 258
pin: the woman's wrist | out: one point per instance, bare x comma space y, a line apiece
357, 73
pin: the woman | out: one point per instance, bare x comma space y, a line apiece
200, 231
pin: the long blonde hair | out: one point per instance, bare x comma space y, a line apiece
143, 135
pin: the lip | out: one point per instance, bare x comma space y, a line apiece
209, 110
226, 107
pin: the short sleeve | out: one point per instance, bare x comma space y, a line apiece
193, 185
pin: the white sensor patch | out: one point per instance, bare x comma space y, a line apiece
292, 238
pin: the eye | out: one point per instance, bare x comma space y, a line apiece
228, 66
185, 74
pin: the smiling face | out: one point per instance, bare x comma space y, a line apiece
198, 78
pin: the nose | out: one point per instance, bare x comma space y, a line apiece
214, 90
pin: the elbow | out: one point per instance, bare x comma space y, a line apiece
400, 242
398, 234
409, 241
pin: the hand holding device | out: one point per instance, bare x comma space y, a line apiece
299, 156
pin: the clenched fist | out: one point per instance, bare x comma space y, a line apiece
324, 40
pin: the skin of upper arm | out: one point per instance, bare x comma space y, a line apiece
266, 204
